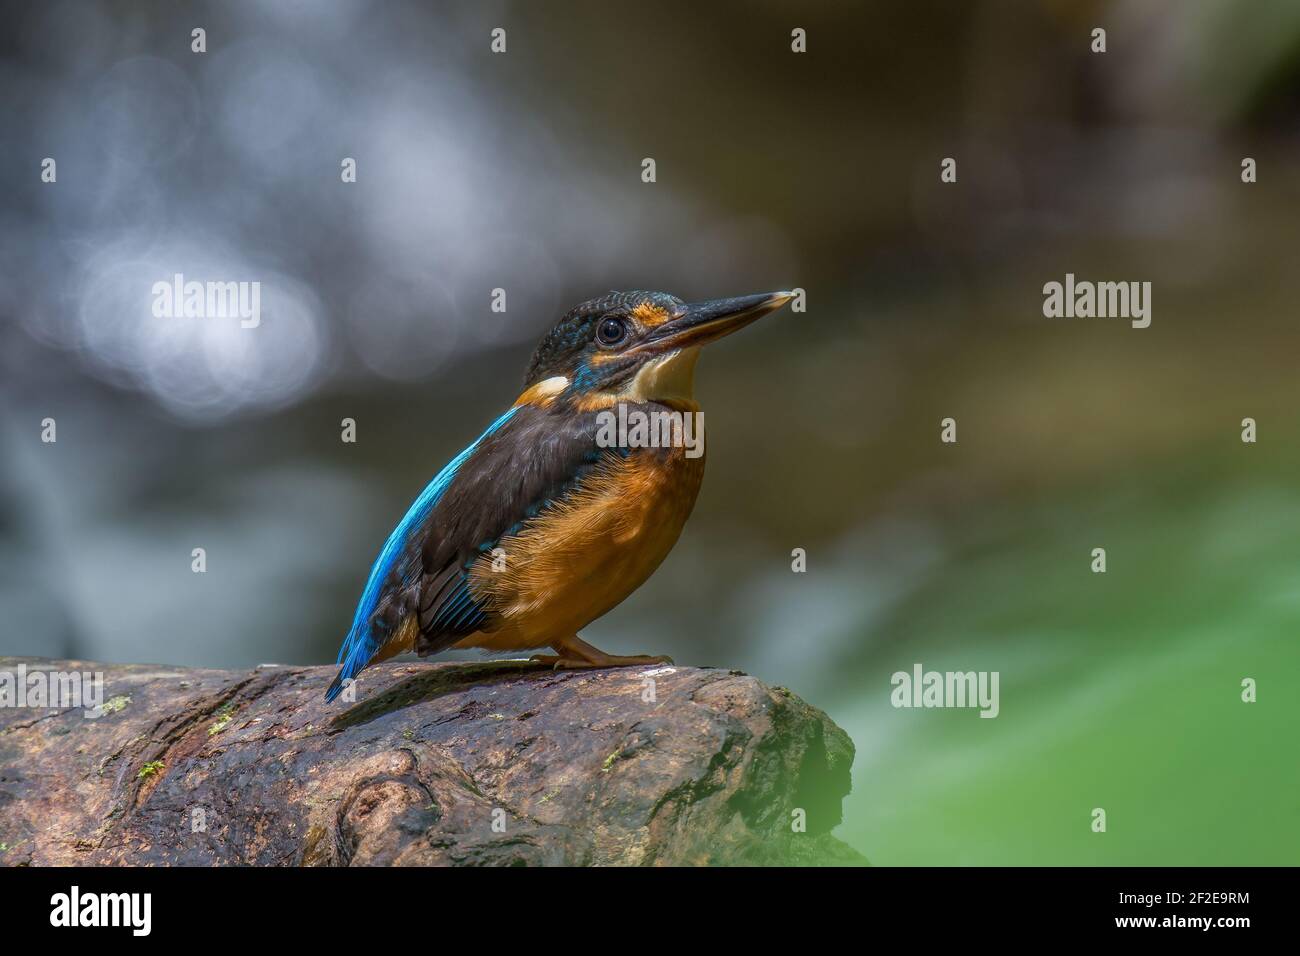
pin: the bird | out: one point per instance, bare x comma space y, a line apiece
549, 519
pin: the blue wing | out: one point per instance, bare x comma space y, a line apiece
367, 636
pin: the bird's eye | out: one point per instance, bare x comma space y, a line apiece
611, 331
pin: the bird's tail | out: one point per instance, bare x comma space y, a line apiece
335, 688
368, 647
358, 651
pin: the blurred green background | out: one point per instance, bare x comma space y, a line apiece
819, 170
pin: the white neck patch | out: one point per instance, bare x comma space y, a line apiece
669, 377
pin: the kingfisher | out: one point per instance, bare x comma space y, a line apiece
548, 520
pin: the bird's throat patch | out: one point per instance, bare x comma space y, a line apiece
669, 378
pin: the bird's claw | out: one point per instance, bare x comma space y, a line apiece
559, 662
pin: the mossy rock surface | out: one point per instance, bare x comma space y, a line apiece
499, 763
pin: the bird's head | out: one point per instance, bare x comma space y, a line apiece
634, 346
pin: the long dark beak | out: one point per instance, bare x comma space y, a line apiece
704, 322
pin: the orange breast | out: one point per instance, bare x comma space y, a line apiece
583, 555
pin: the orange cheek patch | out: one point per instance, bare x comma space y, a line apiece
650, 315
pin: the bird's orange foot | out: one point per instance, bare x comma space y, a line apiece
561, 663
576, 654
